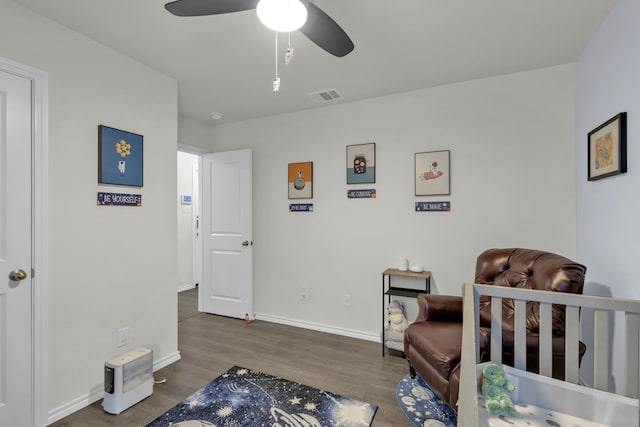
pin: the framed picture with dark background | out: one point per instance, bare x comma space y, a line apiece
120, 157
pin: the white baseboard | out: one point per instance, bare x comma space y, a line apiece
98, 393
320, 327
75, 405
166, 361
187, 287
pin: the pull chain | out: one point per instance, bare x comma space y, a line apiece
276, 82
288, 56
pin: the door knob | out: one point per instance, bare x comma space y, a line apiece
245, 243
17, 275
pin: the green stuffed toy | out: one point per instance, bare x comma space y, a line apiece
496, 389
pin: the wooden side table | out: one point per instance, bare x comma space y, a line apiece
388, 289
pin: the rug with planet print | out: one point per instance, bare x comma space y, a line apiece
246, 398
421, 406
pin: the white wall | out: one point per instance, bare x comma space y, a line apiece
608, 209
109, 266
193, 135
513, 184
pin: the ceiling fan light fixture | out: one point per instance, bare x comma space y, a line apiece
282, 15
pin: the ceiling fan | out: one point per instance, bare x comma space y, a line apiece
319, 27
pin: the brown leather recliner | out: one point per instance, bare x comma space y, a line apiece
433, 343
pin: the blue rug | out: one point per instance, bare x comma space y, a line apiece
244, 398
420, 404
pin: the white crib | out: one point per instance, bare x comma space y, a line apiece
595, 406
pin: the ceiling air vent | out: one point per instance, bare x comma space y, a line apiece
326, 95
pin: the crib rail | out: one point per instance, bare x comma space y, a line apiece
604, 308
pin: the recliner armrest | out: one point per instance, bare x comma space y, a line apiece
439, 307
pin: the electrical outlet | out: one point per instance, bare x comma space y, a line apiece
304, 294
347, 300
123, 336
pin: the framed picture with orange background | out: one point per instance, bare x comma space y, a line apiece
607, 148
300, 180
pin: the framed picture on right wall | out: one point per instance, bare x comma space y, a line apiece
607, 148
433, 173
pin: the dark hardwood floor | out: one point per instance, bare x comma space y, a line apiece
210, 345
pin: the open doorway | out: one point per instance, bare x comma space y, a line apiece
188, 205
215, 218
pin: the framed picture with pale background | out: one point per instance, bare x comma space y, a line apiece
433, 173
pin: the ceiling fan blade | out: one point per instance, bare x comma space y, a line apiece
208, 7
325, 32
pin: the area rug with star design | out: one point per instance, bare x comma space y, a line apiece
246, 398
421, 405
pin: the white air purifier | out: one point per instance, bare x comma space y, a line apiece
128, 379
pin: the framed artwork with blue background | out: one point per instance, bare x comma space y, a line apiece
119, 157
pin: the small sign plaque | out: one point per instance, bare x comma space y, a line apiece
433, 206
119, 199
301, 207
362, 194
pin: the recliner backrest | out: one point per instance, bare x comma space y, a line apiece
530, 269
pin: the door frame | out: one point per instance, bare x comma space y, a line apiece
197, 213
196, 224
39, 244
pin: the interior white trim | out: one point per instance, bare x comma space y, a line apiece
191, 149
320, 327
186, 287
40, 165
166, 361
98, 393
75, 405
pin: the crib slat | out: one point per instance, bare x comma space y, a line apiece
476, 319
496, 330
631, 362
600, 346
467, 398
545, 340
520, 335
601, 351
571, 349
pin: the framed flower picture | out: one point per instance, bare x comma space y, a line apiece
607, 148
120, 157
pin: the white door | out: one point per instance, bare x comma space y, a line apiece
15, 252
227, 277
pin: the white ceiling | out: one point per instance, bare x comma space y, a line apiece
226, 63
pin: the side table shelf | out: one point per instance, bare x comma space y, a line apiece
388, 289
